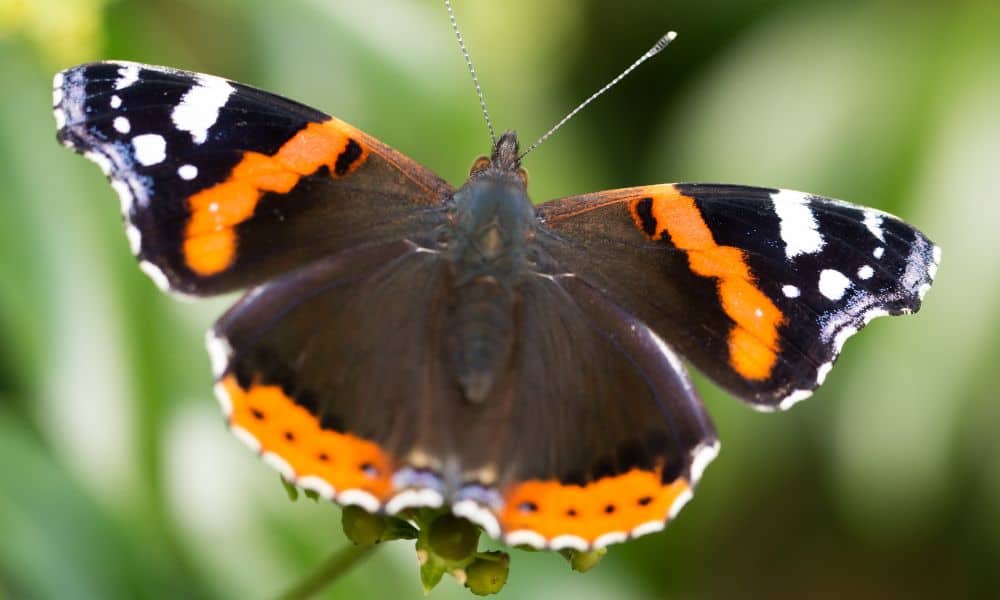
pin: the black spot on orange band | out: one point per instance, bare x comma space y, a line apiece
347, 158
642, 212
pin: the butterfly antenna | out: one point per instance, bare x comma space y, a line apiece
472, 71
658, 47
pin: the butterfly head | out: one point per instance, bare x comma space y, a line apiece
492, 213
503, 163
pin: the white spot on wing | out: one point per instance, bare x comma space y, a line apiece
60, 117
647, 528
936, 258
799, 230
127, 75
199, 107
225, 402
614, 537
155, 274
866, 272
569, 541
822, 372
57, 80
915, 275
134, 238
316, 484
219, 352
187, 172
124, 194
874, 314
932, 271
150, 149
280, 465
116, 101
414, 498
525, 537
790, 291
794, 398
359, 498
478, 514
682, 499
100, 160
246, 437
873, 221
833, 284
842, 336
701, 457
878, 252
57, 96
122, 125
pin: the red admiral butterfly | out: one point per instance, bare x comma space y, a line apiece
406, 343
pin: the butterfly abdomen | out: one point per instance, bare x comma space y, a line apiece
492, 221
480, 336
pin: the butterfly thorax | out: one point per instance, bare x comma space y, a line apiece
492, 221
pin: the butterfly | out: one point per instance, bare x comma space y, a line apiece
405, 343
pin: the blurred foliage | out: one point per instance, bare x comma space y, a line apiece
120, 481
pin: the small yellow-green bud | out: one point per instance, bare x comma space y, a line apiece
487, 574
453, 538
584, 561
362, 527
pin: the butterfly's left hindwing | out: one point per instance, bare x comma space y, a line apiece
759, 288
224, 186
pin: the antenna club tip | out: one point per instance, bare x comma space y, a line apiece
663, 42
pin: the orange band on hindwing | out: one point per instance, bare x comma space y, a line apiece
613, 504
754, 340
209, 238
282, 427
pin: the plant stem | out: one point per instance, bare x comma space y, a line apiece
328, 571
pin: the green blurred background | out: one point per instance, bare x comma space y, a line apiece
119, 480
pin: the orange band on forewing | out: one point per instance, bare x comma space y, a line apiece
227, 204
754, 340
612, 504
286, 429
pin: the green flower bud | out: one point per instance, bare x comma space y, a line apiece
582, 562
487, 574
398, 529
453, 538
362, 527
290, 489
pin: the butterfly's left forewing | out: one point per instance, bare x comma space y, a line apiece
759, 288
224, 186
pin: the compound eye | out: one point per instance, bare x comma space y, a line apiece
523, 174
481, 164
